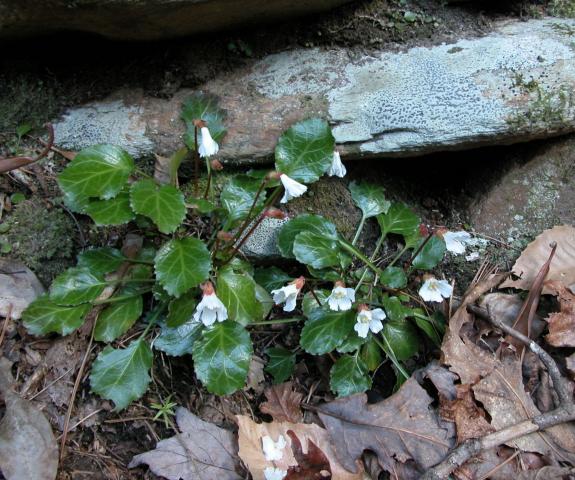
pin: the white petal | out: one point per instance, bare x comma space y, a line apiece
429, 291
333, 303
271, 473
279, 296
445, 288
208, 146
455, 242
293, 189
378, 314
375, 325
345, 304
362, 329
472, 256
290, 303
350, 293
337, 168
208, 316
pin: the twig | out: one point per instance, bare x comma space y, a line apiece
565, 412
12, 163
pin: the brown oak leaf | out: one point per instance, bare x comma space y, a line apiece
283, 403
562, 324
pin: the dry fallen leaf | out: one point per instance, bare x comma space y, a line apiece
28, 449
201, 452
562, 267
398, 429
251, 451
256, 376
18, 288
562, 324
283, 403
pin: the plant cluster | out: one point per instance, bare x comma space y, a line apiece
196, 293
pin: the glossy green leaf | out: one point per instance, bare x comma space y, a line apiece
98, 171
393, 277
43, 316
309, 302
348, 376
164, 204
370, 353
402, 338
182, 264
433, 327
316, 251
394, 309
271, 278
201, 205
351, 343
122, 375
325, 330
77, 285
117, 318
200, 106
75, 203
180, 310
430, 255
178, 341
399, 219
237, 291
281, 363
369, 198
303, 223
326, 274
115, 211
305, 151
222, 357
101, 260
238, 196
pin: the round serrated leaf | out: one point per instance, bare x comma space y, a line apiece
180, 311
351, 343
237, 291
430, 255
43, 316
369, 198
393, 277
281, 363
303, 223
402, 338
238, 196
399, 219
316, 251
122, 375
98, 171
200, 106
117, 318
164, 204
325, 330
77, 285
348, 376
222, 357
271, 278
115, 211
101, 260
305, 151
182, 264
370, 353
178, 341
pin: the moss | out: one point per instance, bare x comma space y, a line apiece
41, 237
562, 8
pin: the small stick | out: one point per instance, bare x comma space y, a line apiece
12, 163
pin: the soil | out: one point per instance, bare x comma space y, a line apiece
43, 76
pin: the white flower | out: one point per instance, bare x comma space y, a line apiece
341, 298
369, 320
455, 242
472, 256
208, 146
210, 308
288, 294
434, 290
271, 473
337, 168
293, 189
273, 450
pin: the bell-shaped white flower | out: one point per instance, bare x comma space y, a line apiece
456, 242
208, 146
271, 473
210, 308
273, 450
341, 298
288, 294
434, 290
292, 188
369, 320
337, 168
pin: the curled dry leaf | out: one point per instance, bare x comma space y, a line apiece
201, 451
18, 288
256, 376
562, 324
251, 452
28, 449
283, 403
562, 267
399, 429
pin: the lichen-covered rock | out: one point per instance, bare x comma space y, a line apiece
512, 85
145, 19
536, 193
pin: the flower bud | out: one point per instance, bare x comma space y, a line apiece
225, 236
423, 230
339, 283
207, 288
299, 282
275, 213
216, 165
362, 307
199, 123
274, 175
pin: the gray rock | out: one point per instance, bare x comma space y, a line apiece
512, 85
145, 19
262, 243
